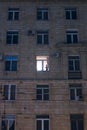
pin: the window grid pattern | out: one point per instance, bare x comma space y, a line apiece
42, 37
9, 92
72, 37
76, 92
42, 14
11, 63
71, 14
13, 14
77, 122
8, 122
43, 123
42, 63
73, 63
12, 37
42, 92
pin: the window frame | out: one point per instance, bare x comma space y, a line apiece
42, 14
71, 13
8, 119
9, 95
77, 92
9, 66
73, 66
42, 119
72, 37
42, 37
42, 95
76, 120
11, 36
13, 14
43, 62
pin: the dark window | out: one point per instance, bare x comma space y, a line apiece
11, 63
42, 122
13, 14
72, 37
12, 37
73, 63
76, 92
42, 37
42, 92
9, 92
8, 122
42, 14
77, 122
71, 14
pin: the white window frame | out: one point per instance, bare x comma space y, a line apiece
42, 34
72, 33
13, 11
74, 60
77, 97
70, 13
42, 11
12, 33
9, 91
42, 120
42, 88
43, 62
9, 118
11, 60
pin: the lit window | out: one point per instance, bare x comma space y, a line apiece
42, 14
42, 92
42, 63
72, 37
12, 37
42, 122
9, 92
71, 14
8, 122
76, 92
74, 63
77, 121
13, 14
42, 37
11, 63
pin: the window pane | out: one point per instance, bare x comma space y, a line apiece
46, 124
75, 38
69, 38
11, 125
73, 125
39, 15
67, 14
80, 125
45, 15
4, 125
72, 94
15, 39
14, 65
74, 15
7, 65
9, 39
6, 92
46, 39
39, 39
10, 15
13, 87
70, 65
39, 125
39, 65
77, 65
79, 92
16, 16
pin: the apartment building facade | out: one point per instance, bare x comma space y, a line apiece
43, 65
